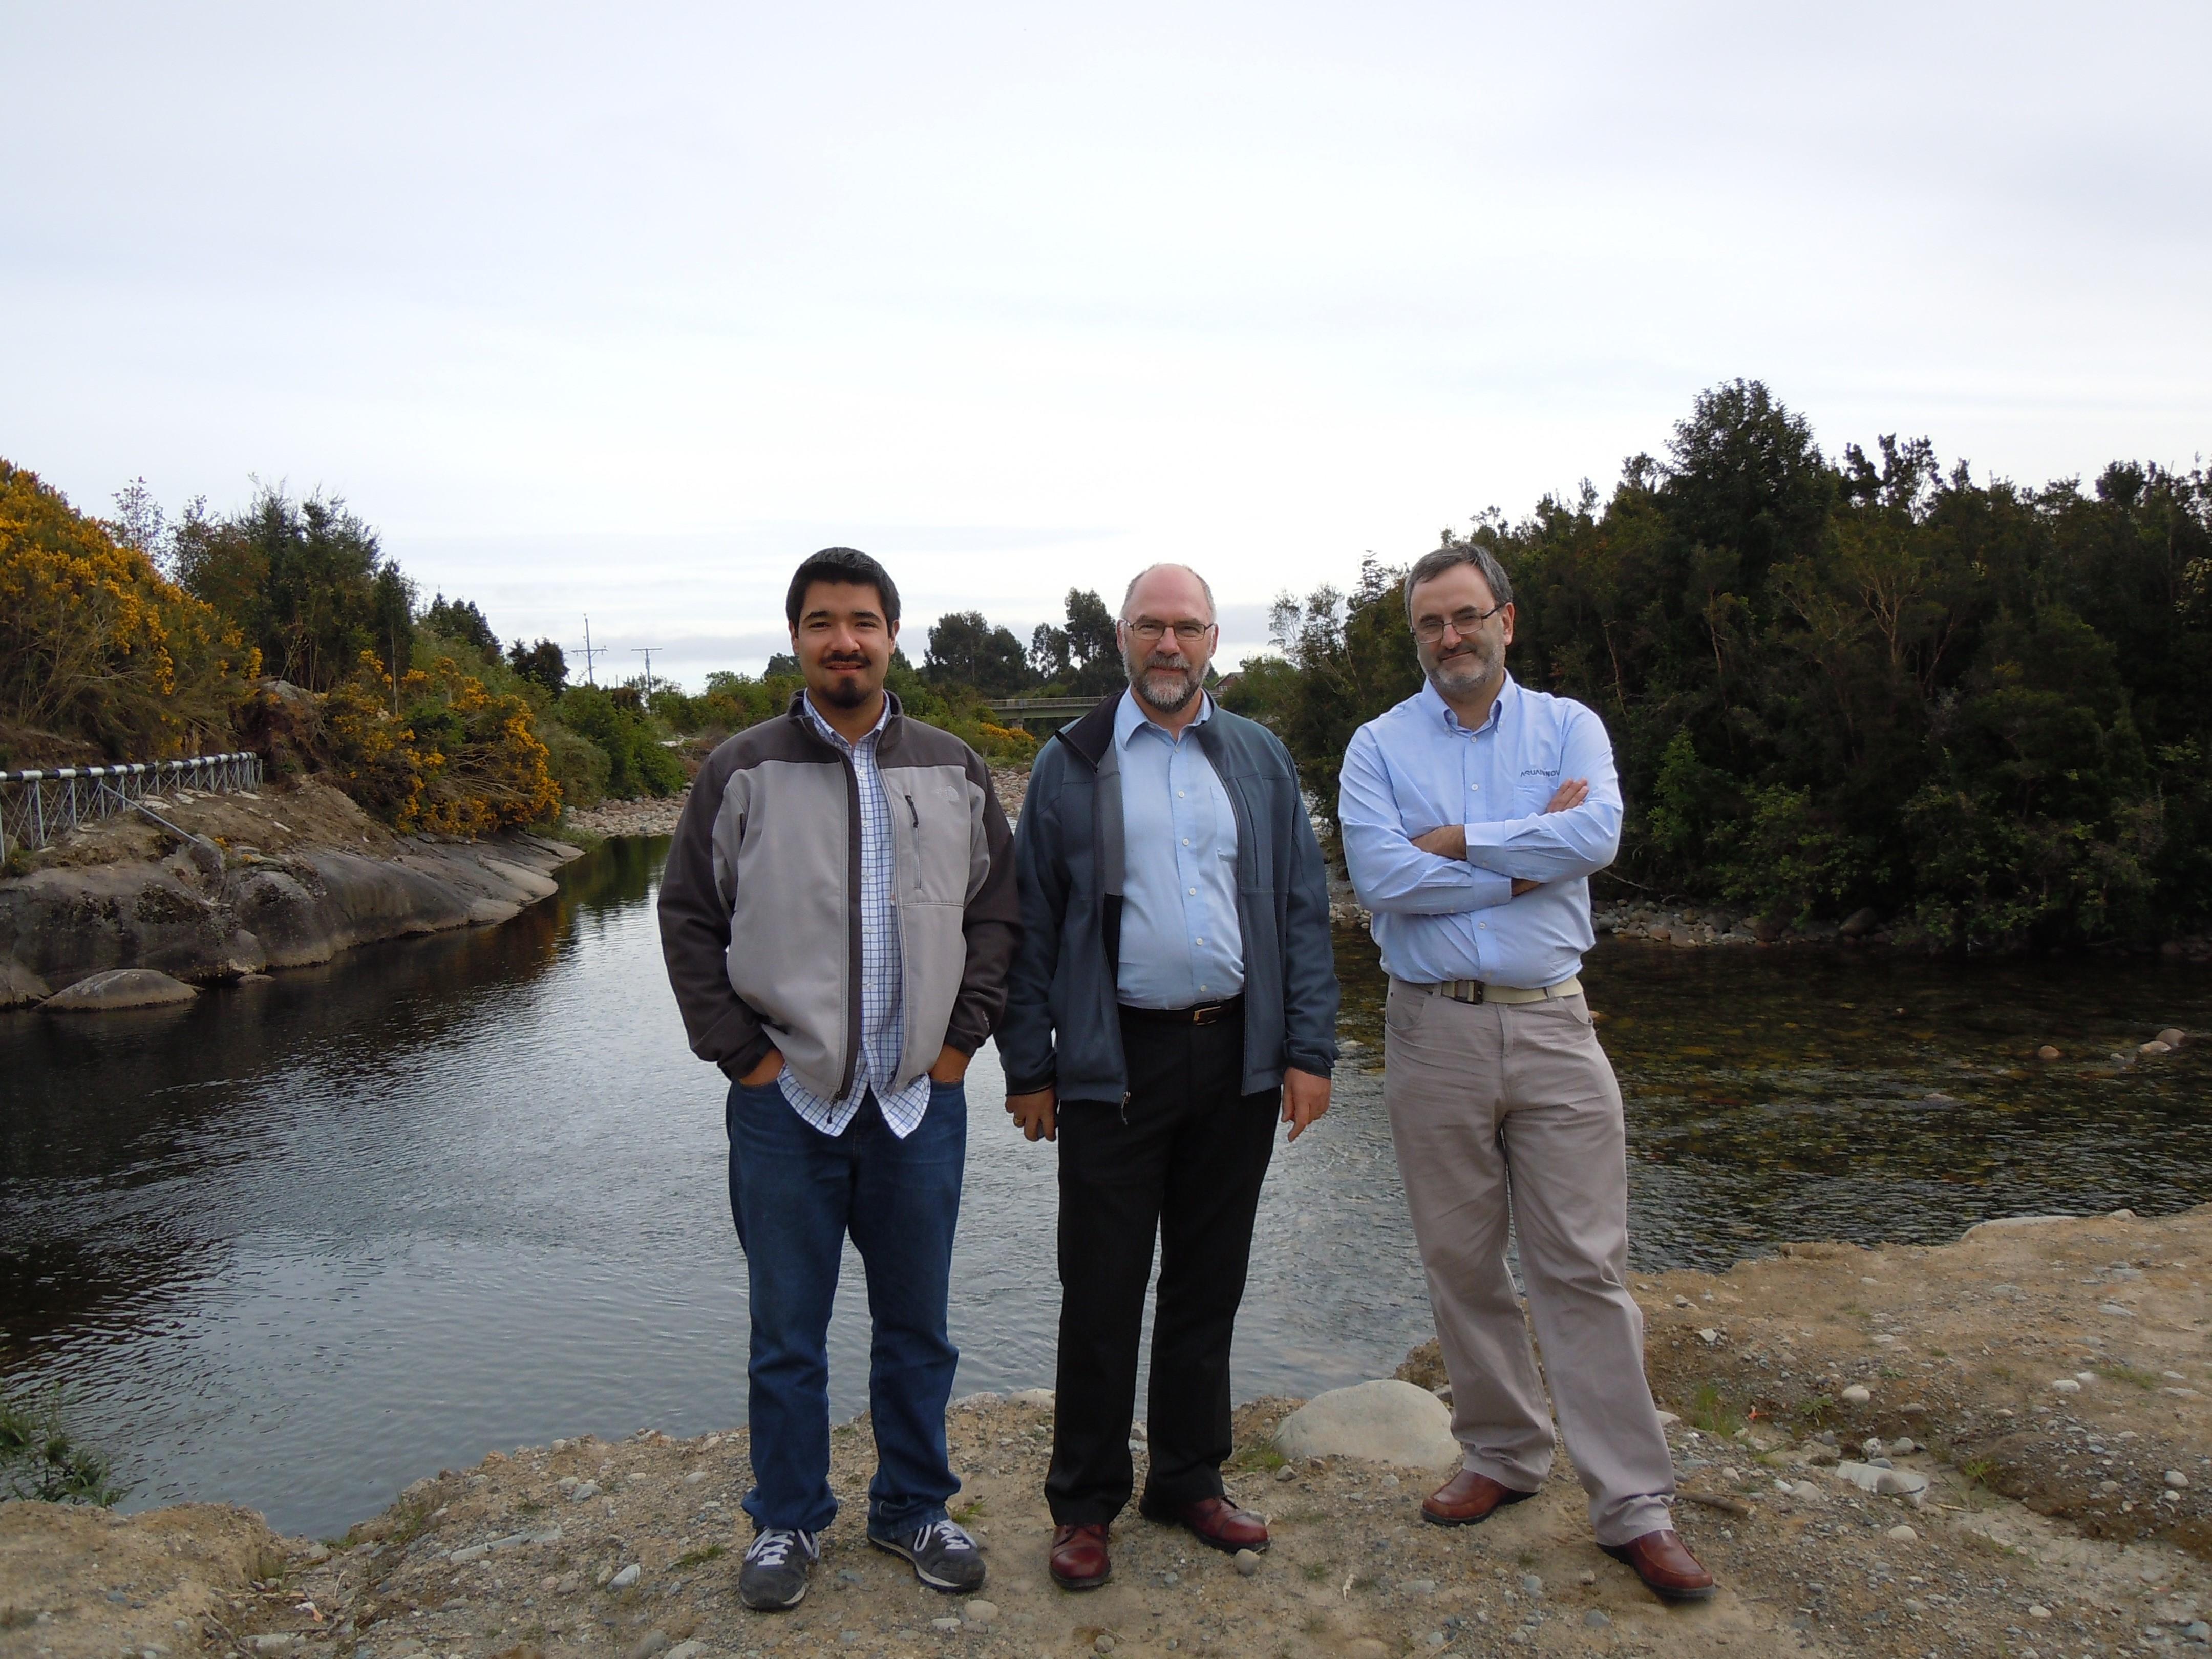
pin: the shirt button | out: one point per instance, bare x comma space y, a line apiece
1178, 794
1193, 892
1186, 841
1198, 941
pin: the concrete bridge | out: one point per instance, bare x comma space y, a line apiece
1042, 715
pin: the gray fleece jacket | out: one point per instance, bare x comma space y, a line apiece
760, 904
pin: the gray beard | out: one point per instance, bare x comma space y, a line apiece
1168, 706
1460, 676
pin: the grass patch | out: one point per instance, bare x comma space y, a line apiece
1258, 1456
971, 1510
1315, 1571
40, 1458
1710, 1411
2120, 1372
701, 1558
16, 1618
587, 839
412, 1522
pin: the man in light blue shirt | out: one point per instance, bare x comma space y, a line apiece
1474, 814
1180, 941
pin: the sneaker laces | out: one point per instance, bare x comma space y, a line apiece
775, 1544
949, 1533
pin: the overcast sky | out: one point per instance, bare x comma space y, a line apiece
622, 310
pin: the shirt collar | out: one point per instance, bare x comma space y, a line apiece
1129, 715
883, 717
1441, 711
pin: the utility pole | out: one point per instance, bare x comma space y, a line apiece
591, 652
647, 651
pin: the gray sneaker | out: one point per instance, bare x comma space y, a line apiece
944, 1557
774, 1577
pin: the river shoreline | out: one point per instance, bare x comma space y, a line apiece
279, 878
2039, 1390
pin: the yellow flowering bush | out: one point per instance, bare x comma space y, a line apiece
438, 753
96, 646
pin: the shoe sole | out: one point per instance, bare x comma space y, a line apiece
1511, 1498
774, 1607
1079, 1585
942, 1587
1665, 1593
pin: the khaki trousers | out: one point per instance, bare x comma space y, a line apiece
1499, 1110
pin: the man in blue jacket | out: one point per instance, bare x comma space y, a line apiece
1173, 995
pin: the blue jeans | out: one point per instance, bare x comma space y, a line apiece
796, 1192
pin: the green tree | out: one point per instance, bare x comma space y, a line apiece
966, 649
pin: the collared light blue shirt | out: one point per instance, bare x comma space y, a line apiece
883, 1003
1416, 769
1181, 941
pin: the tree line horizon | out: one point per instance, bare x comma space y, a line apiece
1864, 681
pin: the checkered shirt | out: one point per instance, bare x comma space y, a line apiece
883, 1011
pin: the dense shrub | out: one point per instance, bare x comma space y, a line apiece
96, 647
637, 763
454, 758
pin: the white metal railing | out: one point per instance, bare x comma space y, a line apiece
36, 807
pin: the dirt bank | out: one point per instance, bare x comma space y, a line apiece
531, 1553
280, 878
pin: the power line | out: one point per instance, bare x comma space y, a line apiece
647, 651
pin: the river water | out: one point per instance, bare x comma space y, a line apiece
294, 1245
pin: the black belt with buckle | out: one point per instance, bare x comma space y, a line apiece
1202, 1013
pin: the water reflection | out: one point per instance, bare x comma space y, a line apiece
295, 1245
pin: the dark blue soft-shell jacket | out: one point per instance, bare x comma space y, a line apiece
1061, 1026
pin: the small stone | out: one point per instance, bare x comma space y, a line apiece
1709, 1336
2154, 1047
1594, 1619
1856, 1395
628, 1576
1287, 1473
1104, 1644
570, 1584
2047, 1053
461, 1558
650, 1645
1585, 1577
694, 1649
1532, 1586
2036, 1610
2065, 1385
607, 1573
980, 1612
2173, 1036
1902, 1534
1903, 1446
1669, 1419
583, 1491
1248, 1562
1420, 1587
2198, 1631
2177, 1479
695, 1477
944, 1623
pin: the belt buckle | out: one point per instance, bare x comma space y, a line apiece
1206, 1013
1459, 990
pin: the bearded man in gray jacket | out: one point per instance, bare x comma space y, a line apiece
838, 916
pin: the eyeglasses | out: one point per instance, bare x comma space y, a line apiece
1185, 633
1463, 621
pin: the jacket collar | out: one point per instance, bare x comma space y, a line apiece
1092, 735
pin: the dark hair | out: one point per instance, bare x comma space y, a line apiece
841, 565
1430, 566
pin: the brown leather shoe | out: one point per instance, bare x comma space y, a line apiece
1215, 1521
1665, 1564
1468, 1498
1078, 1559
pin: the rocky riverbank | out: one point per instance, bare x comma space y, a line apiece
1997, 1447
650, 817
245, 883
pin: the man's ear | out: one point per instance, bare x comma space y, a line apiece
1505, 616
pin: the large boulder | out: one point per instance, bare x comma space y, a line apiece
18, 985
120, 988
1386, 1421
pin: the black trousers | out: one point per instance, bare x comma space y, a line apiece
1183, 1159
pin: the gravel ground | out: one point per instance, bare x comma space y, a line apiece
2028, 1522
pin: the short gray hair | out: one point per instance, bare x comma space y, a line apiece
1204, 586
1430, 566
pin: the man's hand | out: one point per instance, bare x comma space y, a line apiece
766, 1073
1571, 793
951, 1067
1033, 1113
1305, 1098
1449, 842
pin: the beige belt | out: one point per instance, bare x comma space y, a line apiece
1473, 990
